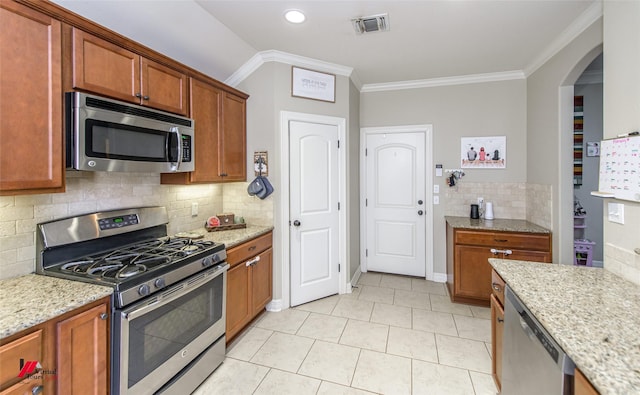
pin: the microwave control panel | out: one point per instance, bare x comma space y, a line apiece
186, 148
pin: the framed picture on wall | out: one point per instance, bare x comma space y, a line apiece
483, 152
314, 85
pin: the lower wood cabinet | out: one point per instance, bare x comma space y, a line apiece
65, 355
249, 282
497, 327
582, 386
468, 253
82, 352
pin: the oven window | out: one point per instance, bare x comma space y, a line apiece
117, 141
163, 332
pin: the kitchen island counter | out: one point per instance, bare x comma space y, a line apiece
592, 314
32, 299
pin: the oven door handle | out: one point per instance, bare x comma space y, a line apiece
172, 293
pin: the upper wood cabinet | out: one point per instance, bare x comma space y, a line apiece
107, 69
31, 153
220, 136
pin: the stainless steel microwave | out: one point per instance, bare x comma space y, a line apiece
109, 135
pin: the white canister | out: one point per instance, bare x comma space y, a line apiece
488, 214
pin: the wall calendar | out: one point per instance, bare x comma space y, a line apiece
620, 168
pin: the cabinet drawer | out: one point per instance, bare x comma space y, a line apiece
249, 249
497, 286
28, 348
525, 241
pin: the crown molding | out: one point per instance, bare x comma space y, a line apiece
444, 81
263, 57
590, 16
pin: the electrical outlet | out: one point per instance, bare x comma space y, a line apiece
480, 202
194, 209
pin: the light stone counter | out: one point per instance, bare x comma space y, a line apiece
504, 225
593, 314
30, 300
232, 238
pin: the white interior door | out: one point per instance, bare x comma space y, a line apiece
314, 219
395, 203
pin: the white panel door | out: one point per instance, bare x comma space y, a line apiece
314, 228
395, 208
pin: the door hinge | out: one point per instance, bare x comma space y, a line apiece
366, 252
338, 206
338, 268
366, 202
338, 144
366, 152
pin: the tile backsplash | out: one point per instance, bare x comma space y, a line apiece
96, 191
509, 199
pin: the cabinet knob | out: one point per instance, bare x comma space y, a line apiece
37, 390
104, 316
138, 95
253, 261
145, 97
496, 287
223, 174
500, 320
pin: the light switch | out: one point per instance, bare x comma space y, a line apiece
194, 209
616, 213
436, 200
436, 188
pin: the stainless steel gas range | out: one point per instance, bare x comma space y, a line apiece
169, 300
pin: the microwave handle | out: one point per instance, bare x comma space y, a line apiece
176, 165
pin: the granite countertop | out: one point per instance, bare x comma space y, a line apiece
232, 238
504, 225
32, 299
27, 301
592, 314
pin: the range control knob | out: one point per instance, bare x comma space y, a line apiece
144, 290
159, 283
207, 261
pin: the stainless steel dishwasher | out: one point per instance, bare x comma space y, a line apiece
533, 363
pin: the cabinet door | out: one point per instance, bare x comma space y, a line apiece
206, 101
582, 385
163, 88
262, 281
497, 329
238, 299
31, 153
104, 68
472, 272
233, 157
82, 345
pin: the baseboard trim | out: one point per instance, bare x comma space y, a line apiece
275, 305
439, 277
354, 280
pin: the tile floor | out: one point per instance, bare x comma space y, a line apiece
392, 335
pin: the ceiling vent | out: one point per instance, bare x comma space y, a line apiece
368, 24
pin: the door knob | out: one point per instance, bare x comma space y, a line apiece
420, 212
420, 202
296, 223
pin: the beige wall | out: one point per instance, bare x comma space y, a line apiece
270, 93
483, 109
622, 115
550, 132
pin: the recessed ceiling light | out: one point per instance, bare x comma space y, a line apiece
294, 16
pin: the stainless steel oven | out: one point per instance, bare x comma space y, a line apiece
169, 300
168, 333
